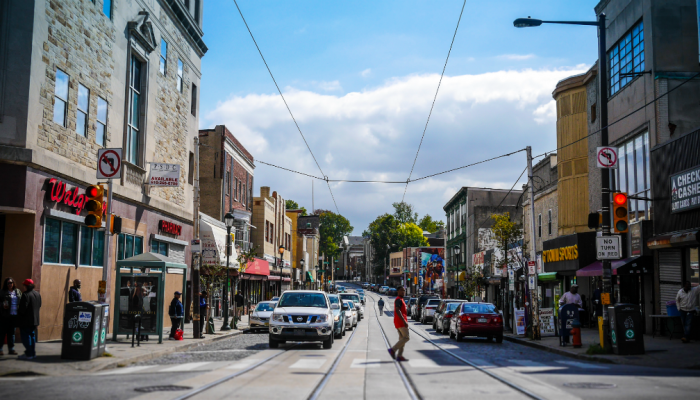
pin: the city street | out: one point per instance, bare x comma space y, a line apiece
358, 366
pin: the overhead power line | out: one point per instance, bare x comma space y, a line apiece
434, 98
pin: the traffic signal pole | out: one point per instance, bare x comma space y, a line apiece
106, 267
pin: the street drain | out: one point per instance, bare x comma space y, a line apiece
165, 388
590, 385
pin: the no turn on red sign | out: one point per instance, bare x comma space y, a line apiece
607, 157
109, 163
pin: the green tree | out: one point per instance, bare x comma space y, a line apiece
506, 233
427, 223
293, 205
333, 228
387, 234
404, 212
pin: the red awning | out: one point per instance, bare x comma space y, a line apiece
258, 267
273, 278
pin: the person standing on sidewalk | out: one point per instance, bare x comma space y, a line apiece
686, 300
571, 297
29, 307
74, 292
380, 303
10, 298
238, 298
203, 306
177, 313
401, 324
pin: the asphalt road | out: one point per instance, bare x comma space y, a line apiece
359, 366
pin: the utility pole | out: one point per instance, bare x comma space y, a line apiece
196, 257
104, 297
534, 302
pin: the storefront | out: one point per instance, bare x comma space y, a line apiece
46, 239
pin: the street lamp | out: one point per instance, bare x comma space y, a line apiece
281, 265
605, 177
301, 264
457, 250
228, 219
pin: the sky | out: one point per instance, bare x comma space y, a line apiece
360, 78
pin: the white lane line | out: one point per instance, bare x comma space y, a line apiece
366, 363
127, 370
245, 363
527, 366
186, 367
423, 363
527, 363
212, 351
582, 365
308, 363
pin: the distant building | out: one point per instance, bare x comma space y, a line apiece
272, 237
308, 242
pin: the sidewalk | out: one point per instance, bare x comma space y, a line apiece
660, 351
49, 362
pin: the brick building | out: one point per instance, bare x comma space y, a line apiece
273, 231
77, 76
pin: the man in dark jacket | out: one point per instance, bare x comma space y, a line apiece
29, 308
177, 313
74, 292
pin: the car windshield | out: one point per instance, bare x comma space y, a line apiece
479, 309
303, 300
433, 302
350, 304
349, 296
452, 306
334, 299
265, 307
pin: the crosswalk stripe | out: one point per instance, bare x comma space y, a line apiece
423, 363
365, 363
582, 365
308, 363
122, 371
186, 367
527, 363
245, 363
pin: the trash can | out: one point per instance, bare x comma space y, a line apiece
103, 330
82, 325
626, 329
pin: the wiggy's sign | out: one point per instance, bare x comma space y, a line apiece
70, 197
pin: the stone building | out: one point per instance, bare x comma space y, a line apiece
308, 237
77, 76
272, 236
546, 204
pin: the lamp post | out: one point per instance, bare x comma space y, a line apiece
605, 175
301, 264
457, 250
228, 219
281, 265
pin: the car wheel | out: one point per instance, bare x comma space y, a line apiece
328, 343
499, 338
274, 344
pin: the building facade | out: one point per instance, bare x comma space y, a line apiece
308, 239
78, 76
272, 236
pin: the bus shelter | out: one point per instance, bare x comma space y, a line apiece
140, 291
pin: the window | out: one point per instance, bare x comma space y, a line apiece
128, 246
267, 231
133, 129
240, 185
272, 233
163, 56
227, 180
179, 75
91, 246
626, 57
101, 126
539, 226
81, 122
159, 247
60, 98
190, 173
243, 196
633, 175
549, 222
235, 185
60, 241
107, 8
193, 102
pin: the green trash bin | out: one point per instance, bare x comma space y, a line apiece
82, 324
626, 329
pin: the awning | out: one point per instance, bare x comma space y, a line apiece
596, 268
150, 260
258, 267
675, 240
547, 276
309, 277
274, 278
214, 246
286, 280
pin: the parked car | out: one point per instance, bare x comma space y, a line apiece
338, 316
260, 318
350, 314
422, 299
392, 292
355, 298
477, 319
409, 306
302, 316
361, 292
428, 310
443, 315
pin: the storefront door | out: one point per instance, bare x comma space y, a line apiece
670, 275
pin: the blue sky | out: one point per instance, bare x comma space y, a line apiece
360, 78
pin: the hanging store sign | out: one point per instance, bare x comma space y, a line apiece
164, 175
685, 190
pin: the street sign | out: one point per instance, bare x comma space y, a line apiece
531, 282
608, 248
531, 265
607, 157
109, 163
196, 246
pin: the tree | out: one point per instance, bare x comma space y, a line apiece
427, 223
506, 233
333, 228
387, 234
404, 212
293, 205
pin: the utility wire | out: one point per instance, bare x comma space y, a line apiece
434, 98
469, 165
283, 99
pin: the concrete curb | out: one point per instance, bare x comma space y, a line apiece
560, 352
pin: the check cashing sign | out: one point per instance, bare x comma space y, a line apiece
685, 190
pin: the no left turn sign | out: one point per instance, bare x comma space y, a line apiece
109, 163
607, 157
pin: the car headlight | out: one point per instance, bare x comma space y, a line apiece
337, 318
278, 317
322, 318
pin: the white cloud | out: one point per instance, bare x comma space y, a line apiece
373, 135
366, 72
331, 86
516, 57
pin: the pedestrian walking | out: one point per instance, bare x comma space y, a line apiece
203, 306
177, 313
74, 292
29, 307
239, 300
381, 306
401, 324
686, 300
10, 298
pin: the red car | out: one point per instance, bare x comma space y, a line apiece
477, 319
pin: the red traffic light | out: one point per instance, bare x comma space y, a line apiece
620, 198
92, 191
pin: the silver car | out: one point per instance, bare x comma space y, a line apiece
260, 318
350, 314
355, 298
302, 316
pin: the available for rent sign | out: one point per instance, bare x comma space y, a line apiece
164, 175
685, 190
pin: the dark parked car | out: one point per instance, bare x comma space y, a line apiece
409, 305
477, 319
392, 292
420, 303
443, 315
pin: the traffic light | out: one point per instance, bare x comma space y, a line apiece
95, 195
620, 214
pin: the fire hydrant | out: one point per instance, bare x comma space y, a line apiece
576, 333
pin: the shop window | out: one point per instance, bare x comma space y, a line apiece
128, 246
633, 175
91, 246
101, 125
60, 98
60, 241
159, 247
81, 123
52, 240
626, 57
163, 65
